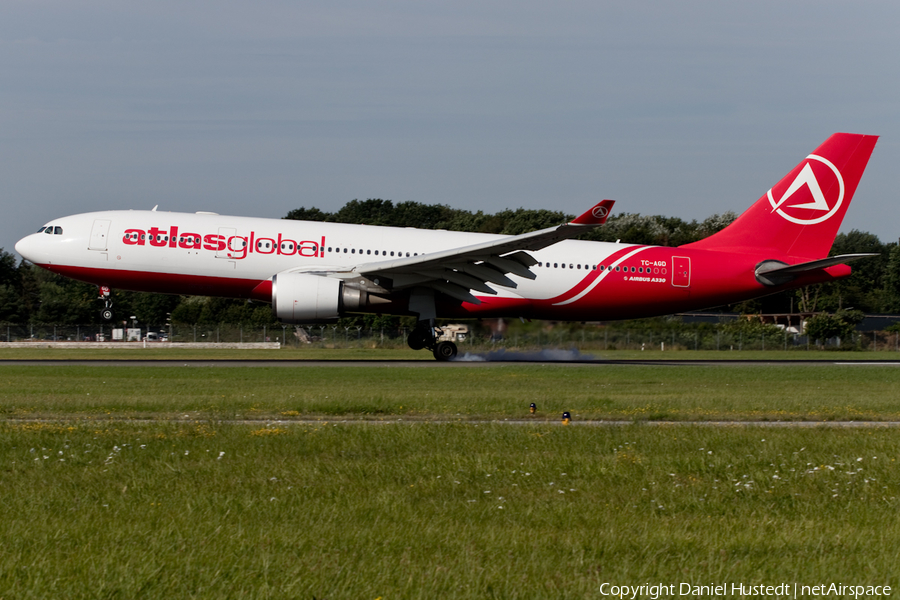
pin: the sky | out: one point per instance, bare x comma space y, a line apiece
683, 109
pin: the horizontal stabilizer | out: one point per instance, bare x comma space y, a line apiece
773, 272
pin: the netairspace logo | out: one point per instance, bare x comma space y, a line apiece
782, 590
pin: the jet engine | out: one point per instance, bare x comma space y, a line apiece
306, 298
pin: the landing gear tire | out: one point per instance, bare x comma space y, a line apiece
106, 314
445, 351
418, 339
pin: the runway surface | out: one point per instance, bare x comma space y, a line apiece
430, 364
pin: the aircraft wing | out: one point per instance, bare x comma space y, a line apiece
456, 271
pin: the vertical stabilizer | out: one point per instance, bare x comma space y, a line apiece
801, 214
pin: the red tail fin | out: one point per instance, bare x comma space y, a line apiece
801, 214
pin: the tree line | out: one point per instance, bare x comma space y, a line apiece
32, 295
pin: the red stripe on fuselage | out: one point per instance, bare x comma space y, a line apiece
594, 274
716, 278
169, 283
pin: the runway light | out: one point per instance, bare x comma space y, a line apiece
566, 418
533, 408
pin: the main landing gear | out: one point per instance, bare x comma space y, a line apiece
106, 314
425, 335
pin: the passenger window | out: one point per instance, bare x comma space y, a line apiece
368, 252
392, 252
617, 269
632, 269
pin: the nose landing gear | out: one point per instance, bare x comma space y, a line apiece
106, 314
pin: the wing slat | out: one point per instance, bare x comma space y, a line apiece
461, 279
511, 266
485, 273
454, 291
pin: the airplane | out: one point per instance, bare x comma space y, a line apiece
317, 272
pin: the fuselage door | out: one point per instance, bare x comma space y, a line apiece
226, 234
681, 271
99, 234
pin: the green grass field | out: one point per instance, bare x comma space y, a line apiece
299, 502
438, 510
494, 391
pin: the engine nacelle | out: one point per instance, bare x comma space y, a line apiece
306, 298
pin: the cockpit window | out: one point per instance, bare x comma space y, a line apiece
42, 228
49, 231
57, 230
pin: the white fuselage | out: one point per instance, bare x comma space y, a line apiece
109, 246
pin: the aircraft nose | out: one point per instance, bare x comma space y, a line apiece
27, 247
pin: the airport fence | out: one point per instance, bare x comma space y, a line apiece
587, 337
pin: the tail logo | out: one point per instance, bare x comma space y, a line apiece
805, 193
600, 212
